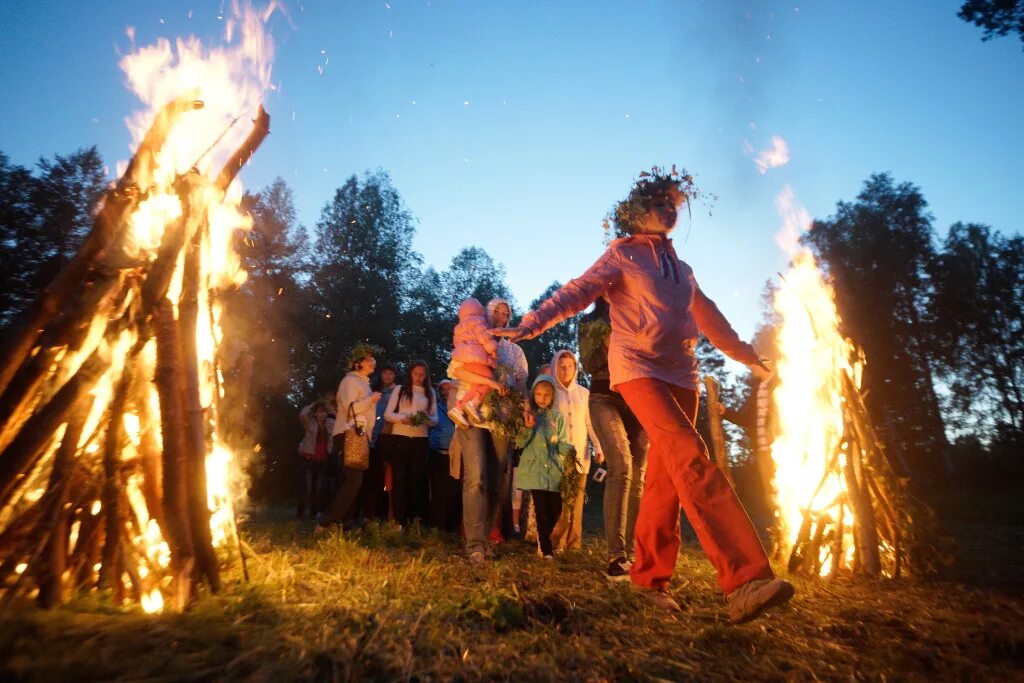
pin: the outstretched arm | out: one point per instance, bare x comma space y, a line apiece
717, 329
572, 298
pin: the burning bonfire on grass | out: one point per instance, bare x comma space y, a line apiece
843, 504
116, 461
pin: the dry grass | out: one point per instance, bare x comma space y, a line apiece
390, 605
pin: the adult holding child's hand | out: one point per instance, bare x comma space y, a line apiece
657, 310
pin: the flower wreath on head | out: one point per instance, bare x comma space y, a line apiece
360, 351
631, 211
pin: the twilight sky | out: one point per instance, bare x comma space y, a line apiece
515, 125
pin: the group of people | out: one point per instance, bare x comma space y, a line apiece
637, 418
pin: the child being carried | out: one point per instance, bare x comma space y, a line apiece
477, 350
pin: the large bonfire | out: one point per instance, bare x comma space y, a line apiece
116, 454
843, 507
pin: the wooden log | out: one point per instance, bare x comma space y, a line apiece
149, 453
112, 483
195, 420
36, 375
837, 540
260, 130
34, 437
717, 432
865, 531
50, 574
117, 206
175, 513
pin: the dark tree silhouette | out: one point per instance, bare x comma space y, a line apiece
997, 17
877, 250
43, 220
979, 326
361, 263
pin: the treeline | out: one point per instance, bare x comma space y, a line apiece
940, 320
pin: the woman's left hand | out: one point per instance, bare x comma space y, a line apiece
514, 334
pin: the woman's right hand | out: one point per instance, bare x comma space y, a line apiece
374, 397
529, 419
497, 386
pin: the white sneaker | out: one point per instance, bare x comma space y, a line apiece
660, 599
750, 600
472, 413
476, 557
456, 416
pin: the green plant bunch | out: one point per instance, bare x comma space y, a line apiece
570, 484
505, 412
594, 340
419, 418
627, 215
360, 351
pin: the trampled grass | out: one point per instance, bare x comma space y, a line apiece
385, 604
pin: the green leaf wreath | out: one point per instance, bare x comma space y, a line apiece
627, 215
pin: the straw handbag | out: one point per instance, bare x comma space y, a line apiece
356, 451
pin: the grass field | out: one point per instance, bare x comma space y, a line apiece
383, 604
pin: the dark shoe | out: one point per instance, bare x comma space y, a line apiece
750, 600
660, 599
618, 569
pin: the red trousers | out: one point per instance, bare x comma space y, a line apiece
679, 472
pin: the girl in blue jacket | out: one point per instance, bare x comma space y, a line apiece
544, 441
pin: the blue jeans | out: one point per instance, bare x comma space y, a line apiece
624, 444
484, 461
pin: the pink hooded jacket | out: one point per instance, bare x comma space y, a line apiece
471, 340
657, 310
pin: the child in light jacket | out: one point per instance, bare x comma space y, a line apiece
477, 350
544, 442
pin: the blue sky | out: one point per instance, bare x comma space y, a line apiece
514, 126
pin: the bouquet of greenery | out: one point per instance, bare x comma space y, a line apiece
570, 486
419, 418
504, 412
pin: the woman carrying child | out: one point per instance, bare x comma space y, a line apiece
545, 443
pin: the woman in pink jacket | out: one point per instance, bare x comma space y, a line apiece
657, 311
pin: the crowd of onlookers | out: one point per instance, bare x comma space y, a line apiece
438, 457
638, 347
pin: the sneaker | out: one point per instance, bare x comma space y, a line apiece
549, 557
476, 557
660, 599
495, 535
456, 416
750, 600
472, 413
618, 569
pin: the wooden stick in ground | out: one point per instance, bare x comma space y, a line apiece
50, 575
195, 420
865, 531
112, 484
175, 513
117, 205
717, 433
149, 452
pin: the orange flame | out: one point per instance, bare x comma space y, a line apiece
808, 447
230, 81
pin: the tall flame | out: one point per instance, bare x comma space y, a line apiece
808, 448
229, 81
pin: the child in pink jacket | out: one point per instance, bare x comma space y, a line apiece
477, 350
